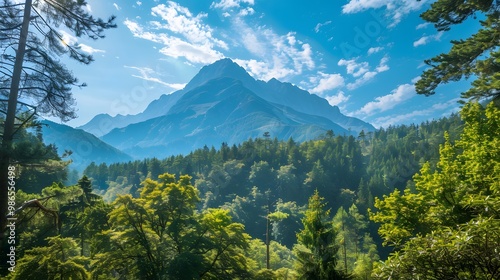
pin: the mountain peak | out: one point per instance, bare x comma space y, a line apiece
223, 68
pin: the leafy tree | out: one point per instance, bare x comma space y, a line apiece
262, 175
287, 183
357, 249
37, 165
287, 222
477, 56
448, 227
84, 216
32, 55
160, 236
38, 215
251, 210
280, 256
316, 250
61, 259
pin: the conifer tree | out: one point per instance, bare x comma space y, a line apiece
316, 250
30, 68
477, 56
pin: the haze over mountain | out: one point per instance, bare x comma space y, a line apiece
223, 103
85, 147
104, 123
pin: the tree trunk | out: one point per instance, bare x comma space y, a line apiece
267, 239
8, 133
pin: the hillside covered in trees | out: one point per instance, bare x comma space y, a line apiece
212, 214
406, 202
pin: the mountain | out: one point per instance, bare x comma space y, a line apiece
222, 103
104, 123
285, 94
220, 110
85, 147
278, 92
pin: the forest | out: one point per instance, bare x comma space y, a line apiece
339, 207
418, 201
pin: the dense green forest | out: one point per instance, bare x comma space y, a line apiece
264, 209
406, 202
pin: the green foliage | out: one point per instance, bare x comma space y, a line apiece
449, 224
38, 165
280, 256
160, 236
357, 251
477, 56
60, 259
316, 250
288, 223
170, 228
344, 170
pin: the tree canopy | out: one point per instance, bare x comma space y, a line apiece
476, 57
448, 226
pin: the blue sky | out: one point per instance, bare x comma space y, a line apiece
361, 55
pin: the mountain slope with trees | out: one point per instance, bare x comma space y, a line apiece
82, 147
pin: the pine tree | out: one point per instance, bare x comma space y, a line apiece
477, 56
31, 30
316, 250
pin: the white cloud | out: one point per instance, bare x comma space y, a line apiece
335, 100
266, 70
277, 56
327, 82
147, 73
67, 38
361, 81
416, 79
175, 47
179, 20
228, 4
181, 33
447, 107
89, 49
134, 27
422, 25
382, 66
138, 3
354, 68
117, 7
386, 102
374, 50
71, 40
246, 12
319, 25
361, 71
395, 9
427, 39
252, 44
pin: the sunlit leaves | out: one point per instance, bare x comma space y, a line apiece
448, 226
61, 259
161, 235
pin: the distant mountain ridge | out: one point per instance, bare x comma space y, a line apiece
85, 147
223, 103
222, 110
104, 123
